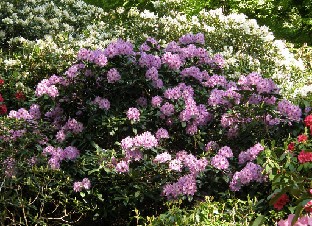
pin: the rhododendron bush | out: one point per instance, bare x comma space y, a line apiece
130, 127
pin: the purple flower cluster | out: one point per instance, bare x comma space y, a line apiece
262, 85
55, 114
194, 165
228, 120
186, 185
119, 47
33, 113
14, 134
161, 133
250, 154
220, 160
133, 114
122, 166
9, 167
149, 44
149, 61
176, 165
74, 70
58, 154
192, 71
195, 115
45, 87
251, 172
142, 101
167, 109
191, 52
182, 159
134, 154
269, 120
173, 47
113, 75
103, 103
192, 39
211, 146
217, 61
80, 185
173, 93
226, 152
152, 74
145, 140
223, 97
72, 125
156, 101
162, 158
97, 56
289, 110
215, 81
173, 61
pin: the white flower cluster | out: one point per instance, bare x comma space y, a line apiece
34, 19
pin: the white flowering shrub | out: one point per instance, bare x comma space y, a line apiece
32, 19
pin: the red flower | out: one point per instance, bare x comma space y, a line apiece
305, 156
1, 82
308, 206
20, 95
302, 138
1, 98
3, 109
308, 121
281, 202
291, 146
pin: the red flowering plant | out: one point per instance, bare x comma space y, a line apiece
289, 170
3, 108
12, 95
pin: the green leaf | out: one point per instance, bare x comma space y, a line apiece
137, 194
299, 209
258, 221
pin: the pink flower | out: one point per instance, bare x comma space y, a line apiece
162, 133
77, 186
220, 162
86, 183
302, 138
156, 101
133, 114
113, 75
304, 157
162, 158
122, 167
167, 109
175, 165
308, 121
302, 221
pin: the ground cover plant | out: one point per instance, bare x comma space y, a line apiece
106, 130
